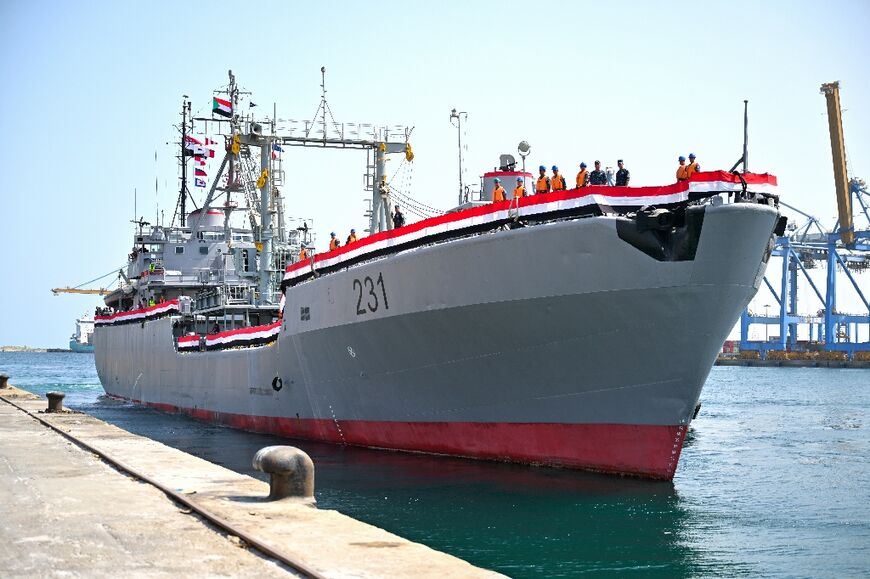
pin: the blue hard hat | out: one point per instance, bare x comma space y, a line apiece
497, 180
353, 230
691, 155
332, 233
519, 179
542, 168
582, 165
555, 168
682, 158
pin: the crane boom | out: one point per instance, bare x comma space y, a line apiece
72, 290
831, 90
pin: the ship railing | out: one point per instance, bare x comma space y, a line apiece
351, 132
226, 295
177, 278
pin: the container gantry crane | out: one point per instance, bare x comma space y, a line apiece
843, 249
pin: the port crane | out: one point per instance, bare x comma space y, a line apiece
807, 245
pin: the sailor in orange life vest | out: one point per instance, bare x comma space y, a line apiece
681, 170
558, 182
582, 176
520, 191
334, 243
497, 191
543, 184
351, 238
302, 253
693, 167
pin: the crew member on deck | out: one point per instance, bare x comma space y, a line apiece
334, 243
681, 170
520, 191
351, 238
543, 183
582, 176
622, 176
497, 191
558, 182
597, 176
398, 218
302, 253
693, 167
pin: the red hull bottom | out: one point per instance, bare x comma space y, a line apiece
641, 450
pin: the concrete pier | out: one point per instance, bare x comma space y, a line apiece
66, 511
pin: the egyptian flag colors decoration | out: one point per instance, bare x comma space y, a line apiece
222, 107
192, 146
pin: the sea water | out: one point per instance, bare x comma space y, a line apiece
774, 480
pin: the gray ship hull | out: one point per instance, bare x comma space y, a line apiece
555, 344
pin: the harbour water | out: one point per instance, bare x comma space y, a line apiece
774, 480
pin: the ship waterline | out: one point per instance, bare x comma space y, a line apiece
559, 344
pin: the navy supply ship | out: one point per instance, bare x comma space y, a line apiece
573, 328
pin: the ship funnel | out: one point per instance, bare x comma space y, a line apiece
213, 218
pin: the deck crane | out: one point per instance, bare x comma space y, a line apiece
80, 290
75, 290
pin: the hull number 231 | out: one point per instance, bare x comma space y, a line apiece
370, 294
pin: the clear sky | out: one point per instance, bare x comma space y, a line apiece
91, 90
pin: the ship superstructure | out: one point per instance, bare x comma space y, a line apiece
573, 328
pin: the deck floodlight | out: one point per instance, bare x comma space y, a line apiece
524, 148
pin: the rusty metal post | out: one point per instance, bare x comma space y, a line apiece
4, 379
55, 401
291, 472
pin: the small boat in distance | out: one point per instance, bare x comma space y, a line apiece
80, 341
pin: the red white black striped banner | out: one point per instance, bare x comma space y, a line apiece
243, 337
606, 199
139, 315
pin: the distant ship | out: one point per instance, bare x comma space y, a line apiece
80, 341
574, 328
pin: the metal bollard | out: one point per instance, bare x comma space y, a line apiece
55, 401
3, 381
291, 472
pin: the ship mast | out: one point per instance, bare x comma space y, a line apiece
181, 207
246, 132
